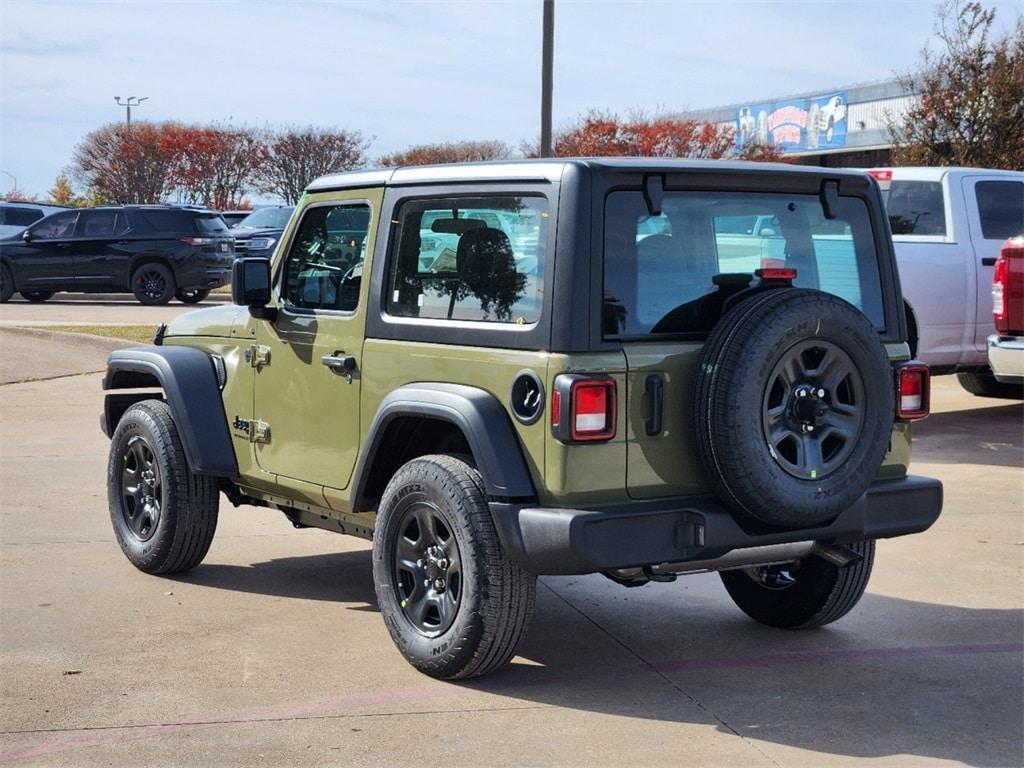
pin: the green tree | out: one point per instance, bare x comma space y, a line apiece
62, 192
970, 109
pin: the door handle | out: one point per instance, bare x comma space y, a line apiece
988, 262
340, 364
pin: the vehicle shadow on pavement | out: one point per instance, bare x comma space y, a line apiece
896, 677
987, 435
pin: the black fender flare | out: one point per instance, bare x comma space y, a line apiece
189, 381
480, 417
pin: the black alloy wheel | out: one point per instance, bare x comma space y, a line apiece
36, 297
193, 296
813, 409
428, 569
141, 489
153, 284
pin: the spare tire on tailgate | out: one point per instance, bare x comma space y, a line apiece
794, 406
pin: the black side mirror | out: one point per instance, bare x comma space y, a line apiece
27, 236
250, 285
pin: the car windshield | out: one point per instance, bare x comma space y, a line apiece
673, 272
266, 218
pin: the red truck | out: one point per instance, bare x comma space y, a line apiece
1006, 346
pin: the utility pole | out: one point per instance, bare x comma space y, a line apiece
545, 78
131, 101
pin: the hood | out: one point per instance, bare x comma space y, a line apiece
209, 321
245, 234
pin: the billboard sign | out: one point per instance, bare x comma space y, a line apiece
795, 125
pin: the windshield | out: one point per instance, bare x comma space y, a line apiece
266, 218
672, 273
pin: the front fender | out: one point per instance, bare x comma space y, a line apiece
189, 382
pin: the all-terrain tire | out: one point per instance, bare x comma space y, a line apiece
6, 284
153, 284
985, 385
175, 534
496, 597
806, 478
821, 593
36, 297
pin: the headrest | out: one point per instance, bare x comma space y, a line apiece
483, 253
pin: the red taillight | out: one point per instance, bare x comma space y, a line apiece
583, 408
881, 174
1000, 286
913, 391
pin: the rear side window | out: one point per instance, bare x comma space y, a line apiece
210, 225
916, 208
469, 258
19, 217
1001, 208
671, 273
163, 222
324, 268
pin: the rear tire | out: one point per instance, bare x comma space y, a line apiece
194, 296
455, 604
985, 385
6, 284
821, 593
164, 515
36, 297
153, 284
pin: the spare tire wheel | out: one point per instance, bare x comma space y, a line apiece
793, 407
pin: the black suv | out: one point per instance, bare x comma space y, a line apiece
156, 252
258, 233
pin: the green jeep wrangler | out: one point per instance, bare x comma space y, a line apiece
637, 368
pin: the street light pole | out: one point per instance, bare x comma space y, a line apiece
131, 101
546, 77
15, 187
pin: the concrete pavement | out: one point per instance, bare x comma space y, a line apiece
96, 309
272, 652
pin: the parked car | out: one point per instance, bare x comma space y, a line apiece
14, 217
948, 225
156, 252
559, 398
1006, 345
231, 218
260, 231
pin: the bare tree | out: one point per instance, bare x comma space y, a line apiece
290, 159
971, 105
448, 152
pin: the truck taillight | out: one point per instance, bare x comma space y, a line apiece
1000, 280
913, 391
583, 408
881, 174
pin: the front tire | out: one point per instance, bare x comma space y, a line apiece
164, 515
36, 297
985, 385
820, 593
6, 284
153, 284
455, 604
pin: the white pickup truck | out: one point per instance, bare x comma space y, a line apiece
948, 225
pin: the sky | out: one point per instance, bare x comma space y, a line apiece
407, 73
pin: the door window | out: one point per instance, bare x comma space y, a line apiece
916, 208
103, 223
56, 227
324, 268
1000, 208
19, 217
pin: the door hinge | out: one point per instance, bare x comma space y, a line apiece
257, 355
259, 431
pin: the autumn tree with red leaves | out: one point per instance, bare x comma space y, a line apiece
125, 165
287, 161
971, 106
212, 165
448, 152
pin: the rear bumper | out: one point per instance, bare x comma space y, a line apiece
566, 541
1006, 358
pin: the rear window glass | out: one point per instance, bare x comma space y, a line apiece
211, 225
471, 258
19, 217
1001, 208
916, 208
672, 273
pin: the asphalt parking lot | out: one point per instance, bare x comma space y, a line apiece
272, 651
